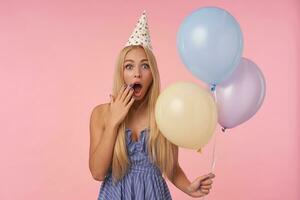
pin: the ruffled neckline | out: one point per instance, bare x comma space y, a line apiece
141, 137
136, 146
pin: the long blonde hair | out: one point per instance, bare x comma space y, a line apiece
162, 153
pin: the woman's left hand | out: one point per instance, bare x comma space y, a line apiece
201, 185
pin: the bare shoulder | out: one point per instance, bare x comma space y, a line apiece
97, 125
100, 109
98, 113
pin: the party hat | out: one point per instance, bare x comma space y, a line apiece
140, 34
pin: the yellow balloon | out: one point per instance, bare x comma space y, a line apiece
186, 115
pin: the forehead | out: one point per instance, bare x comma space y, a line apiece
136, 54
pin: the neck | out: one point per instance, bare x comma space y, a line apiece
138, 105
138, 110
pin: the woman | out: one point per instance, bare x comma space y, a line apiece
127, 150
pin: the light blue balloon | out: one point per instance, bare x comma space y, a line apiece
210, 44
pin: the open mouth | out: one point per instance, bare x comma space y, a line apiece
137, 88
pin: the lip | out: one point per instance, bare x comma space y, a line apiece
137, 94
136, 82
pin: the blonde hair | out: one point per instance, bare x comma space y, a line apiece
162, 153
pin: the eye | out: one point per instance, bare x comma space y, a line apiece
128, 66
146, 66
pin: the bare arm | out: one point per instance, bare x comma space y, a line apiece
102, 141
179, 179
104, 123
198, 188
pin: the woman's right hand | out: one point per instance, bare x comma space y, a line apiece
120, 105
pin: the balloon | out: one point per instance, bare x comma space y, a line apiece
210, 44
241, 95
186, 115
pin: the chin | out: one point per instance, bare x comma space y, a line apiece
139, 98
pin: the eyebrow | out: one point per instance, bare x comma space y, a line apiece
133, 61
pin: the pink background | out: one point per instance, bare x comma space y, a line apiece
56, 64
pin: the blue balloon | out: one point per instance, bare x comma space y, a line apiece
210, 44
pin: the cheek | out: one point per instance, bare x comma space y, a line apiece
126, 76
149, 78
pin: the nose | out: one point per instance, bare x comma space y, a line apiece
137, 73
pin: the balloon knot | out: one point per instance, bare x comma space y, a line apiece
213, 87
223, 129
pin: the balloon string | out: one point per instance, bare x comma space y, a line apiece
215, 137
213, 89
214, 148
214, 158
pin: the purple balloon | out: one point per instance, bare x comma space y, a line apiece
241, 95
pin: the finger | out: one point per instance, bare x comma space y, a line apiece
125, 93
198, 193
212, 175
121, 91
127, 99
130, 103
204, 191
204, 177
206, 186
207, 182
196, 184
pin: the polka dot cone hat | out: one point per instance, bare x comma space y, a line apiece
140, 34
